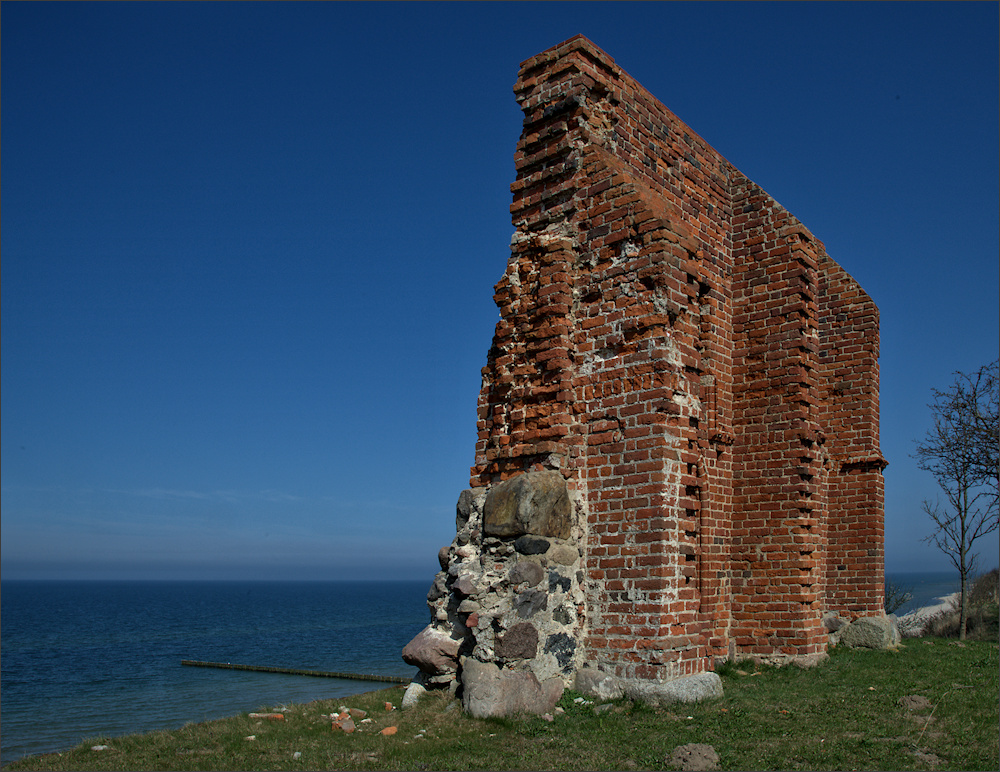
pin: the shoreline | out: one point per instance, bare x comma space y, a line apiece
912, 623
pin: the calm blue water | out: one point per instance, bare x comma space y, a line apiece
81, 660
925, 587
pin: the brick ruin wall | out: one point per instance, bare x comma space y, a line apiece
683, 353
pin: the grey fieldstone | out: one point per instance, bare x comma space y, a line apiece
870, 633
529, 603
443, 558
832, 621
564, 554
439, 588
527, 571
433, 651
489, 691
532, 503
465, 585
414, 692
463, 509
468, 606
597, 683
703, 686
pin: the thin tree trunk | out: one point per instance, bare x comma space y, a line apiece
963, 614
964, 556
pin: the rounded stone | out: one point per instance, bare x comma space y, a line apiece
870, 633
433, 651
564, 554
531, 503
596, 683
527, 571
531, 545
695, 688
489, 691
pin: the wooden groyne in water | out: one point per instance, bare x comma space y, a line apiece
296, 671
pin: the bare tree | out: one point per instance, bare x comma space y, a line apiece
961, 451
896, 596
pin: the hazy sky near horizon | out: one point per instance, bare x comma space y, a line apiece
249, 252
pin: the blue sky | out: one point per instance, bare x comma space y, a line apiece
249, 252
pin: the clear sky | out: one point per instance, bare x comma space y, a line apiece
249, 252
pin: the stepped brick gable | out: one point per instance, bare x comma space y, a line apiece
682, 351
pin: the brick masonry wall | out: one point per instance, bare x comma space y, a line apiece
683, 350
849, 349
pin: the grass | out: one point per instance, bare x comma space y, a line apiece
843, 714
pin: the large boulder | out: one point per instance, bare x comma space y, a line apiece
433, 651
489, 691
534, 503
870, 633
703, 686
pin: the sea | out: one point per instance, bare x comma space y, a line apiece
82, 661
87, 660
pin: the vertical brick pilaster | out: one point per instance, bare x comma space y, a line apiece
849, 348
